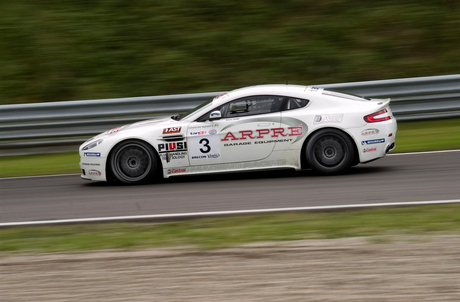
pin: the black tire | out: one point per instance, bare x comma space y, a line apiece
329, 151
133, 162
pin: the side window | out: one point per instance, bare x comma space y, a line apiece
294, 103
247, 106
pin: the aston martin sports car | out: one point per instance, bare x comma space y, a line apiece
253, 128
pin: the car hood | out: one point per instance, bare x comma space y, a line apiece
137, 125
165, 120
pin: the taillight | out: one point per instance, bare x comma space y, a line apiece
374, 117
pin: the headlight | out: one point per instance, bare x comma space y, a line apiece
88, 140
93, 144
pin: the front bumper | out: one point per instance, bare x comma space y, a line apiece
93, 168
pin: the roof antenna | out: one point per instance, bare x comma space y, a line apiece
287, 78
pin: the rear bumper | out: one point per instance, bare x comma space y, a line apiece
375, 140
390, 147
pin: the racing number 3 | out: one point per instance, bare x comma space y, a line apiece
204, 149
205, 143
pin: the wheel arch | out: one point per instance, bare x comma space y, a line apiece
108, 168
303, 161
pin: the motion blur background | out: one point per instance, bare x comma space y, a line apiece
63, 50
75, 50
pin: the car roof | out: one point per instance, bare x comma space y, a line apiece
290, 90
296, 91
264, 89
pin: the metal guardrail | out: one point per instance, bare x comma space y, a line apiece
60, 126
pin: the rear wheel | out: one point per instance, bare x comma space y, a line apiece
133, 162
329, 151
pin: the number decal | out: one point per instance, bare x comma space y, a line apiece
206, 145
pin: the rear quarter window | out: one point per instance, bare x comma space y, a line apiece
295, 103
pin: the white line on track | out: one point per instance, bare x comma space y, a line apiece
426, 152
392, 154
39, 176
225, 213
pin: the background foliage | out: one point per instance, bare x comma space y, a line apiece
87, 49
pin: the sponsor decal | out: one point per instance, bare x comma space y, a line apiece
272, 141
373, 141
369, 150
328, 118
168, 156
214, 155
314, 88
171, 130
172, 151
90, 164
173, 171
237, 144
198, 133
203, 126
92, 154
289, 124
114, 130
168, 147
370, 132
286, 140
204, 146
223, 95
262, 133
234, 166
94, 173
214, 114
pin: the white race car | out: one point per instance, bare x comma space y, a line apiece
259, 127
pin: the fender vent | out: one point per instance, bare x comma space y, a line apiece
173, 138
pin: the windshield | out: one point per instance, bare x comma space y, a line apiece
201, 107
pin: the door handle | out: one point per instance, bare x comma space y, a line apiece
264, 124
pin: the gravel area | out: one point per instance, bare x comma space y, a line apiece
422, 268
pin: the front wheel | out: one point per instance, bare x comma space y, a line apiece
133, 162
329, 151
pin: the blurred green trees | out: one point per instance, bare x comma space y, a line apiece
87, 49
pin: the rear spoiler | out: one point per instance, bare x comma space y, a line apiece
383, 102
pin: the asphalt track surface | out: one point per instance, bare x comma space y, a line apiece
398, 178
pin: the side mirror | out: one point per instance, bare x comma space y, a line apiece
215, 115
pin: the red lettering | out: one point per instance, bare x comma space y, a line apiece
229, 135
245, 133
295, 130
171, 130
278, 131
115, 130
262, 132
172, 146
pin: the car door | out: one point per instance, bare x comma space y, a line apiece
248, 130
293, 118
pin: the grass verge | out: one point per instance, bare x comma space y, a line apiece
214, 233
411, 136
45, 164
428, 135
